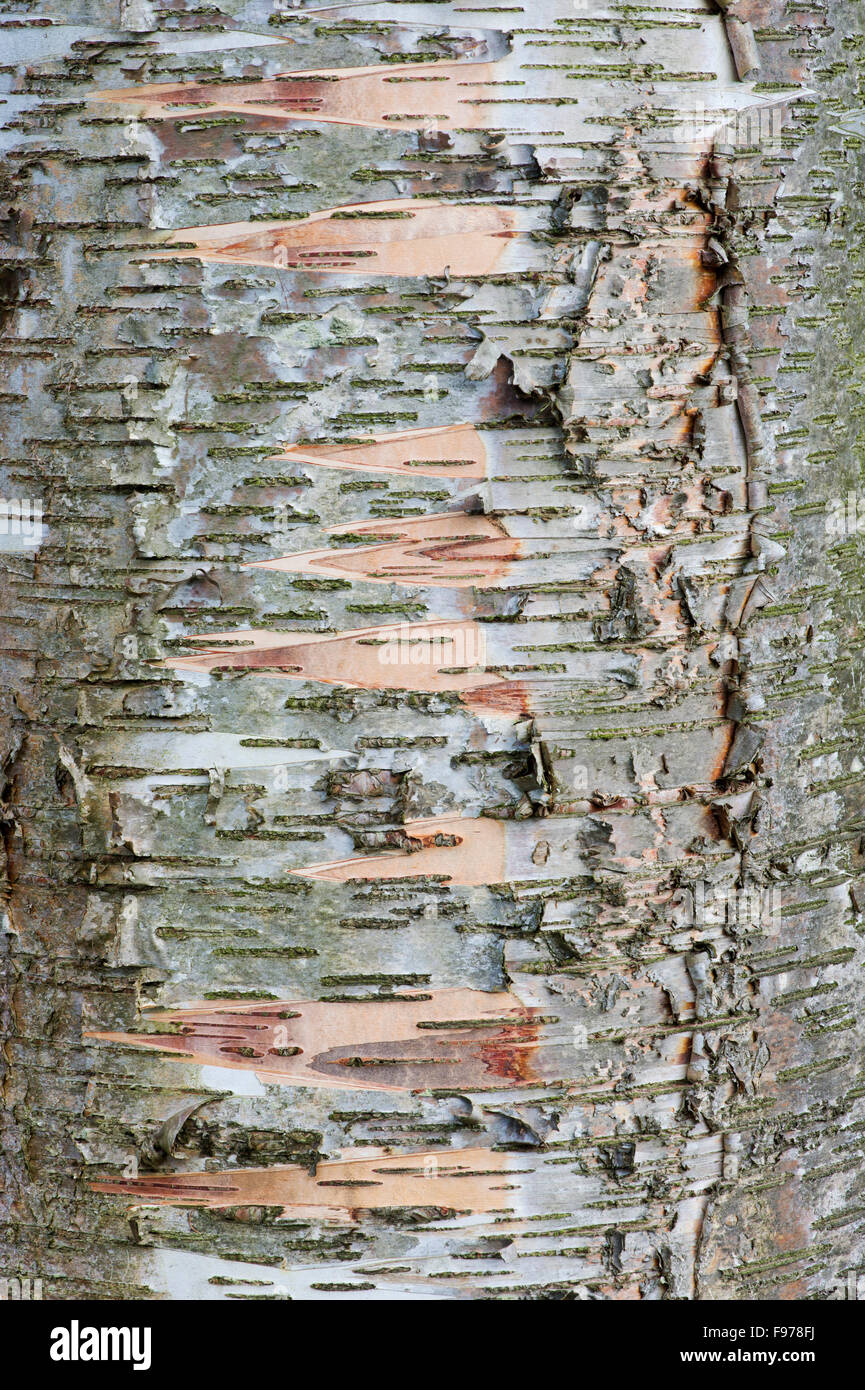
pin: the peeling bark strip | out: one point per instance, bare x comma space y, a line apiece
475, 852
447, 1039
440, 94
456, 550
410, 656
400, 237
445, 451
467, 371
474, 1180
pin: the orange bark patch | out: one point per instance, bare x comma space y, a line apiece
456, 550
447, 451
472, 1180
444, 94
445, 1039
403, 236
465, 850
431, 656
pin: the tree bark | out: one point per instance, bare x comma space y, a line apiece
431, 553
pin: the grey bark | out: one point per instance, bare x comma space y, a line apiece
696, 1132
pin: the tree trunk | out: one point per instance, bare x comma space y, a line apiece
433, 819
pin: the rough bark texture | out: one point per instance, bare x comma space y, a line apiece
514, 950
